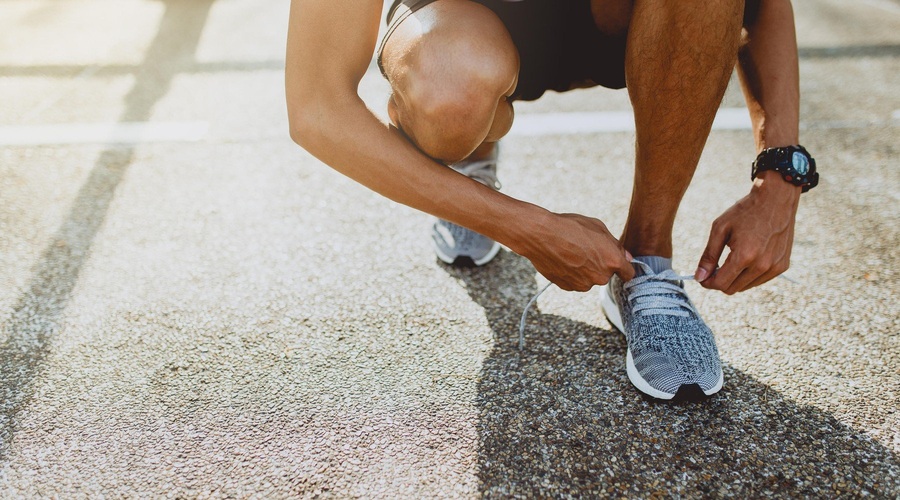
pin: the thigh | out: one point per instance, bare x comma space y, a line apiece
397, 13
599, 50
556, 42
437, 39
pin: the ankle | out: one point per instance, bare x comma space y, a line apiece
640, 247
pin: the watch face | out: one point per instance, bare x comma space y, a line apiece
801, 163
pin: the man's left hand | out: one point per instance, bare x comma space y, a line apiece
759, 231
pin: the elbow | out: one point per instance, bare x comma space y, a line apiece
307, 112
315, 119
313, 123
303, 128
296, 129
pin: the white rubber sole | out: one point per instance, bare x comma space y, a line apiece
611, 310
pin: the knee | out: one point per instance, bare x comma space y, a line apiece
449, 119
448, 98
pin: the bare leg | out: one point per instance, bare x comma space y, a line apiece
452, 66
679, 58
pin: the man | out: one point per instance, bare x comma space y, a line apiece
456, 66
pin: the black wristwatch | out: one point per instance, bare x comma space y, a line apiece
793, 163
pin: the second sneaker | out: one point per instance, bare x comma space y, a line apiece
458, 245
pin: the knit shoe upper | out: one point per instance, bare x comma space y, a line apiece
458, 245
670, 348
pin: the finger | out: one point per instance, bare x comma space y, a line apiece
624, 268
774, 270
569, 285
709, 261
765, 278
773, 273
599, 278
563, 285
749, 275
725, 275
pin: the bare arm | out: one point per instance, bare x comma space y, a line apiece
330, 44
759, 229
770, 75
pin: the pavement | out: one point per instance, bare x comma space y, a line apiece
191, 306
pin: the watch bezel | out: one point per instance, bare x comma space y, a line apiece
781, 160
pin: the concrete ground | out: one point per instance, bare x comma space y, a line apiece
201, 309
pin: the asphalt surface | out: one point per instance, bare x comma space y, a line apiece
230, 318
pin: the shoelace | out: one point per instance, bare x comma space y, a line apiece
525, 316
654, 297
659, 293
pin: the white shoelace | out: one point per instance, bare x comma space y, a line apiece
653, 296
652, 293
525, 316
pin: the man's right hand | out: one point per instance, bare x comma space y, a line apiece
330, 46
575, 252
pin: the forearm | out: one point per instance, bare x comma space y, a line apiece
770, 77
330, 44
344, 134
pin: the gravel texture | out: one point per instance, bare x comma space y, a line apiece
231, 318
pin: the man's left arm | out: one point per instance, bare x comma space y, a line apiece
759, 229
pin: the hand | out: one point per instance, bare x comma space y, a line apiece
575, 252
759, 230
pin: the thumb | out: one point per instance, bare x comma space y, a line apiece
709, 261
625, 269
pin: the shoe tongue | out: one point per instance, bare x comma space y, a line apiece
657, 264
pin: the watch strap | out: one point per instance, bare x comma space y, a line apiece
784, 161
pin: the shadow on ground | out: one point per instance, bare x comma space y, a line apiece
561, 419
37, 315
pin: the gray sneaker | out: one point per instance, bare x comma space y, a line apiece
457, 245
671, 352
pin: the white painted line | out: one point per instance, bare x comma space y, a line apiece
732, 119
103, 133
572, 123
896, 114
885, 5
539, 124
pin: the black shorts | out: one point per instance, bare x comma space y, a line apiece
560, 47
557, 42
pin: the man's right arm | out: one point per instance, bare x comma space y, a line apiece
330, 45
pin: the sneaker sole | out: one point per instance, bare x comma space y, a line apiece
466, 260
611, 311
